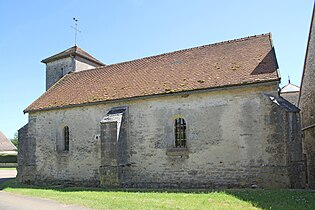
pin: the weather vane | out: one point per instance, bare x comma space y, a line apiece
75, 27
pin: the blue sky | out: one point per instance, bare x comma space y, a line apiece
116, 31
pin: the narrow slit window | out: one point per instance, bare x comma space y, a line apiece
180, 132
66, 138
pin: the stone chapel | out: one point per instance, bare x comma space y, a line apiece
204, 117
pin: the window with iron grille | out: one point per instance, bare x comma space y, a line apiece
180, 133
66, 138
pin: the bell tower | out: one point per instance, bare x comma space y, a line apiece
73, 59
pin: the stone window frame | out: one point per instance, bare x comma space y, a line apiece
66, 138
180, 134
173, 149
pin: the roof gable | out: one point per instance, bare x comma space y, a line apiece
241, 61
289, 88
6, 144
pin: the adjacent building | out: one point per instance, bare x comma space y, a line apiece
290, 92
307, 106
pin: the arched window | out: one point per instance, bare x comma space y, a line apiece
66, 137
180, 132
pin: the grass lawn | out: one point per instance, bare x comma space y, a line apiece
8, 168
98, 198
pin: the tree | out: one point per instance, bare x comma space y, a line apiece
15, 140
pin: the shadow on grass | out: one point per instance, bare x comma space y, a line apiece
3, 180
265, 199
277, 199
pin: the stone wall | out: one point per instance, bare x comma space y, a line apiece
292, 97
306, 103
236, 137
26, 153
55, 70
286, 136
84, 64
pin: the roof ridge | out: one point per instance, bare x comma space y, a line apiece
178, 51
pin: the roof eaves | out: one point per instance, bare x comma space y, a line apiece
60, 55
152, 95
72, 51
49, 90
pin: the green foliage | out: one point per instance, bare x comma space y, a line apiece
15, 140
8, 158
97, 198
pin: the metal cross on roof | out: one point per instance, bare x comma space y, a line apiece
75, 27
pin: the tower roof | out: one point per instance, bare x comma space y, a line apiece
6, 144
289, 88
72, 51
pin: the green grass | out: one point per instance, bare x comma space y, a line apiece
7, 168
97, 198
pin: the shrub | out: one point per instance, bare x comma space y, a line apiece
6, 158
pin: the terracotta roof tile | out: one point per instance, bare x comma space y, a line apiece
236, 62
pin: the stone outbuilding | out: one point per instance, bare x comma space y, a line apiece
307, 106
208, 116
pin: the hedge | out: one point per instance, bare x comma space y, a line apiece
8, 158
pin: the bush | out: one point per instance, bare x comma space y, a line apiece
8, 158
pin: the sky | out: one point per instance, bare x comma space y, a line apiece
115, 31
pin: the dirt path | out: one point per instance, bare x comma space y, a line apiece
9, 201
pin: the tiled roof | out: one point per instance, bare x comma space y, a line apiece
75, 50
5, 144
241, 61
